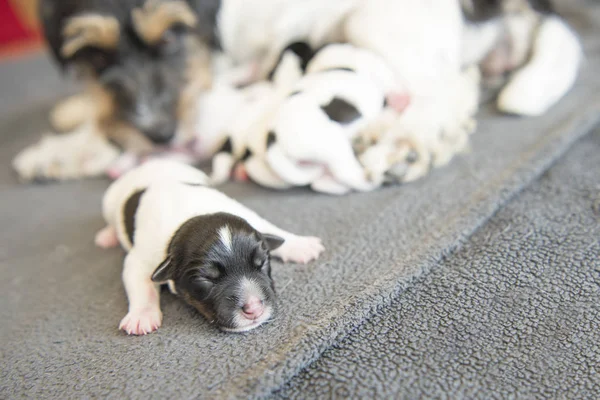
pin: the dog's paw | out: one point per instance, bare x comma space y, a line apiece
300, 249
74, 155
141, 322
106, 238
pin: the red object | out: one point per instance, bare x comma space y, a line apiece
15, 35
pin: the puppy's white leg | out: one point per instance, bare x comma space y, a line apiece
327, 184
106, 238
144, 314
296, 249
548, 76
289, 170
222, 164
260, 172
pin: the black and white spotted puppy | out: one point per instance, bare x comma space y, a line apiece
310, 139
212, 251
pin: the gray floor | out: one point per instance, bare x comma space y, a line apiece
63, 298
515, 312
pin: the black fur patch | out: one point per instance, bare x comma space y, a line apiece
208, 275
271, 138
485, 10
348, 69
129, 211
339, 110
227, 147
301, 49
295, 93
247, 155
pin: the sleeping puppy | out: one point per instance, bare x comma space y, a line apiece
303, 133
390, 152
310, 140
244, 136
212, 251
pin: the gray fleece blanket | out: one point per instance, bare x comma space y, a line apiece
63, 298
515, 313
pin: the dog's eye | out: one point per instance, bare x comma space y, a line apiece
201, 287
169, 42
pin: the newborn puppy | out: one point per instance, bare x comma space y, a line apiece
212, 251
310, 141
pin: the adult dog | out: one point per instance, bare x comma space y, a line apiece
144, 59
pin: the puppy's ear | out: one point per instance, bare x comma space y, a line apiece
164, 271
273, 242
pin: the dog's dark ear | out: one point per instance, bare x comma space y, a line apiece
272, 241
164, 271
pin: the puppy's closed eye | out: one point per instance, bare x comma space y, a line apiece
211, 272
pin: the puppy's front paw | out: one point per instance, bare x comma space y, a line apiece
300, 249
141, 322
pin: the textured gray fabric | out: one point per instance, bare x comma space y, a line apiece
63, 298
513, 314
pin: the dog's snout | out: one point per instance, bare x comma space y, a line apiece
160, 135
159, 131
253, 308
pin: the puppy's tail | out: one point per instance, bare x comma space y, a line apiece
550, 73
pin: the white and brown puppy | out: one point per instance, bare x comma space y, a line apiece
211, 250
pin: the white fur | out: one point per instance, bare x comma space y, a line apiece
225, 237
548, 76
164, 207
248, 289
84, 152
305, 134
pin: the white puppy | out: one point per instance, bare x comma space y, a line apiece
211, 250
310, 138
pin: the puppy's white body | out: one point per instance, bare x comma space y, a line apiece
305, 133
174, 193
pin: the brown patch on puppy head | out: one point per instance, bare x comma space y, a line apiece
202, 309
153, 19
89, 30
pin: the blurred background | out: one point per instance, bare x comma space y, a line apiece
27, 74
19, 27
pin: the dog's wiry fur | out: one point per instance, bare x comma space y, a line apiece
145, 57
424, 42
